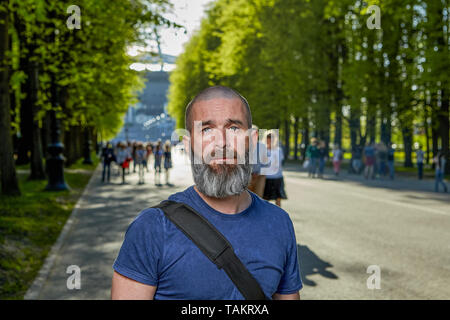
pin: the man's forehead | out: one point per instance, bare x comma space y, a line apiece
219, 109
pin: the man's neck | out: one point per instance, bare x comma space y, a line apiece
229, 205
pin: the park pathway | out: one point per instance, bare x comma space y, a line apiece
94, 233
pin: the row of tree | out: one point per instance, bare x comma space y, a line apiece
320, 68
64, 74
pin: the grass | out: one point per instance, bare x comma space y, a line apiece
31, 223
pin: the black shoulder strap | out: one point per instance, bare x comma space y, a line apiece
214, 245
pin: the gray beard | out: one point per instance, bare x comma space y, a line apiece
221, 180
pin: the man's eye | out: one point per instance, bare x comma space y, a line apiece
206, 130
234, 128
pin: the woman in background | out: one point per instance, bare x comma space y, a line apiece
148, 153
274, 187
123, 156
337, 158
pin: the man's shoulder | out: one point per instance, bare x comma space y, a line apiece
149, 217
270, 208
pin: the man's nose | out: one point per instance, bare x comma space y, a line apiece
220, 139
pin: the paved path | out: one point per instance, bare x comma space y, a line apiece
345, 225
342, 226
97, 229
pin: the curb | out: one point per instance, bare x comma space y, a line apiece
35, 289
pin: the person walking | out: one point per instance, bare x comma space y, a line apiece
420, 155
133, 154
123, 159
382, 155
390, 158
148, 154
337, 159
323, 157
130, 148
157, 260
312, 155
369, 155
107, 157
356, 162
139, 159
259, 159
274, 187
439, 162
158, 154
167, 161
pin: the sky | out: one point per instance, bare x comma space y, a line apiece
187, 13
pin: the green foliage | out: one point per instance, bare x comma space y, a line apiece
90, 65
318, 60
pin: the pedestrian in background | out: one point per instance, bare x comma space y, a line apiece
312, 154
108, 157
382, 155
148, 153
130, 155
123, 159
369, 156
439, 162
356, 159
323, 157
391, 153
337, 159
167, 161
274, 187
158, 154
420, 156
259, 159
139, 160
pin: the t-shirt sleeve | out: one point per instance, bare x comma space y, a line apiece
291, 281
142, 249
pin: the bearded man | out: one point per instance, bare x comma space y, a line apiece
158, 261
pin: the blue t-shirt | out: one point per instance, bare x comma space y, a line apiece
157, 253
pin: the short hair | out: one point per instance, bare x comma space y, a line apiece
212, 93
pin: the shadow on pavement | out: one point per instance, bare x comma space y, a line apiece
311, 264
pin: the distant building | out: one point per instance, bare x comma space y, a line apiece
148, 119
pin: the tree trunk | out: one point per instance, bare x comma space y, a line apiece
26, 123
10, 185
69, 143
407, 133
338, 127
287, 136
427, 133
296, 139
37, 166
443, 117
305, 137
26, 118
